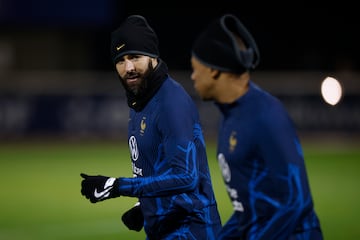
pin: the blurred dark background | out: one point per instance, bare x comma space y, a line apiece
75, 34
57, 78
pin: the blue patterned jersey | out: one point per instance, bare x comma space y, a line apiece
263, 168
169, 162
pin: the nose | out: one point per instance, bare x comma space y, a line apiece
129, 65
192, 76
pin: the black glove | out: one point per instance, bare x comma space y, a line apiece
133, 218
98, 188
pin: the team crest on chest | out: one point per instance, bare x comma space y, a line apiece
232, 141
142, 126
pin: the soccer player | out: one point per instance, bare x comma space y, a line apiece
258, 149
171, 174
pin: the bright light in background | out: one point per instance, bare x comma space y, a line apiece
331, 90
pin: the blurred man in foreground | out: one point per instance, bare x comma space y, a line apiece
258, 150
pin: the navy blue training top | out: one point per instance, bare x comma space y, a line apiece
169, 161
263, 168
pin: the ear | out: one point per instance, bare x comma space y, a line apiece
215, 73
154, 61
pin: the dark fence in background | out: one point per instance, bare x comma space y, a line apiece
93, 104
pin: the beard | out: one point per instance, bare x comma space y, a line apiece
139, 87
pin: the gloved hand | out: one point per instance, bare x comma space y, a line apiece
133, 218
98, 188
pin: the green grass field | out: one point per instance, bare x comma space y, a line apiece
40, 190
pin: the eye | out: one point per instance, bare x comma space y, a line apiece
134, 57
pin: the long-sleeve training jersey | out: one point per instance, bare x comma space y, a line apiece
263, 168
169, 162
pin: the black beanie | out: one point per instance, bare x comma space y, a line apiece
134, 36
217, 47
